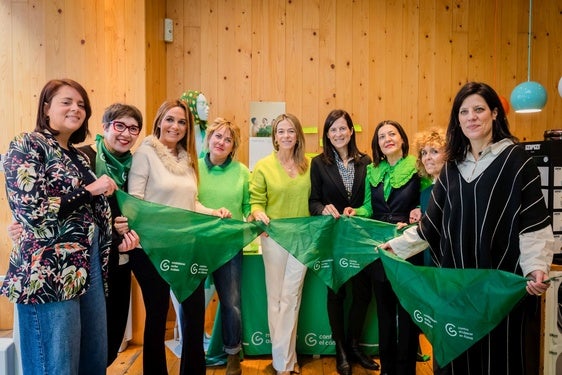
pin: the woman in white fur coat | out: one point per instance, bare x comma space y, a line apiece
165, 171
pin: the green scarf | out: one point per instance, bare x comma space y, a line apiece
116, 167
394, 176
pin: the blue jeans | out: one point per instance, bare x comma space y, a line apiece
227, 280
67, 337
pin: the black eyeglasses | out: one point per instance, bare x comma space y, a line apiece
121, 127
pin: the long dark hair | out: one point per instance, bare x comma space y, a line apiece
378, 155
328, 152
50, 89
457, 143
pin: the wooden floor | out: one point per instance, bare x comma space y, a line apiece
129, 362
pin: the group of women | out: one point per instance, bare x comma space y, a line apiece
467, 218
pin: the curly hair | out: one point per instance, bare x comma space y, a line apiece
433, 137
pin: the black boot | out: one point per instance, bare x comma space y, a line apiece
363, 359
342, 364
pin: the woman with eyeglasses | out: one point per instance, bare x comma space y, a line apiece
111, 155
165, 171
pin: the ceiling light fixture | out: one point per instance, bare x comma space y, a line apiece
530, 96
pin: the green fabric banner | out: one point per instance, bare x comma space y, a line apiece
453, 307
184, 246
335, 250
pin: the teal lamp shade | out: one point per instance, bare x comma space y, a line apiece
528, 97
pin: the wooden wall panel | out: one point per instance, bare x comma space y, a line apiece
325, 98
209, 52
377, 72
361, 62
302, 41
155, 50
410, 66
378, 59
305, 62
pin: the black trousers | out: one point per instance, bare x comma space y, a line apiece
398, 335
117, 304
193, 325
361, 294
156, 297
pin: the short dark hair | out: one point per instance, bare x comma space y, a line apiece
50, 89
119, 110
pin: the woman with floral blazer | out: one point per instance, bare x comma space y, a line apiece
58, 265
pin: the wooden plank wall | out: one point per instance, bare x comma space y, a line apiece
403, 60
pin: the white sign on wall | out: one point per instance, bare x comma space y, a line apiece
262, 115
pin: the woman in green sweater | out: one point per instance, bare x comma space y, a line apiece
279, 188
223, 181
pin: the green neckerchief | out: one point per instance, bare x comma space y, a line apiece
394, 176
425, 183
116, 167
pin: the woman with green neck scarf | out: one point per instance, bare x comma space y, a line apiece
392, 190
122, 124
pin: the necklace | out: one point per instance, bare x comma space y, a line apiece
289, 165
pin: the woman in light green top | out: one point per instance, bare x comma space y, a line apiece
280, 187
224, 181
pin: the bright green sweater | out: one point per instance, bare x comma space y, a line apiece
275, 193
225, 186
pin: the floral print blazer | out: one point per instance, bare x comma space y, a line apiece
45, 189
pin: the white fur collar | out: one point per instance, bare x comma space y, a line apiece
179, 166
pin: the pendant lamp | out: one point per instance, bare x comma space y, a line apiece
530, 96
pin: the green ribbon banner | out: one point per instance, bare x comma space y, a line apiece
453, 307
184, 246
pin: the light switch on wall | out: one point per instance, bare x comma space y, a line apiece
168, 30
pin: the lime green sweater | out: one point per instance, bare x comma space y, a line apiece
275, 193
225, 186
